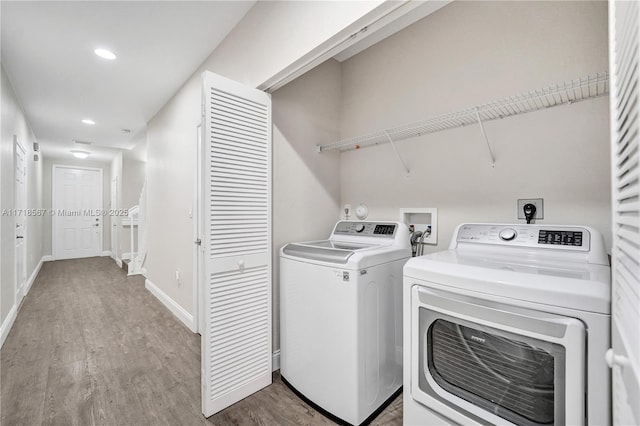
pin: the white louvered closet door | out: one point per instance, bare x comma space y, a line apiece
624, 357
236, 337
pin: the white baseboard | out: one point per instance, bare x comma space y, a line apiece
128, 256
118, 262
47, 258
7, 324
106, 253
276, 361
13, 313
33, 276
171, 304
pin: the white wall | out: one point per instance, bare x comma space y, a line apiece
14, 122
470, 53
261, 45
48, 192
306, 186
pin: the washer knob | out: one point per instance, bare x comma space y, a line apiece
507, 234
360, 228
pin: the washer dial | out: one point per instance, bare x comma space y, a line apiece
507, 234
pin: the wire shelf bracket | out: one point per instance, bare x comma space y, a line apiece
588, 87
486, 139
395, 148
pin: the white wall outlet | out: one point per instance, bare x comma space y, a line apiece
538, 202
177, 274
347, 211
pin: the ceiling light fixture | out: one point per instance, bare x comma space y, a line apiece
88, 121
80, 154
105, 54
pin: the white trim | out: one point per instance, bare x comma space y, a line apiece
47, 258
127, 256
54, 196
172, 305
7, 324
197, 216
106, 253
33, 277
118, 261
275, 363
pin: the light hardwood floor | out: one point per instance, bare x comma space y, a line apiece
91, 346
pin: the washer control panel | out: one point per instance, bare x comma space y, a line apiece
538, 236
366, 229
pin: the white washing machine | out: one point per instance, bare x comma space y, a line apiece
508, 326
341, 318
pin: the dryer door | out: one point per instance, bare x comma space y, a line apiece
480, 362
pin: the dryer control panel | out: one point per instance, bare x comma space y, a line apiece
366, 229
535, 236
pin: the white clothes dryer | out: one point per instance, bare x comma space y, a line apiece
341, 318
508, 326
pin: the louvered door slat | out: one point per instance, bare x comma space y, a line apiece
624, 357
236, 346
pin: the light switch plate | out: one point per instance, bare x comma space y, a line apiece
538, 202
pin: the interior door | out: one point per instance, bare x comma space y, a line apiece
624, 356
20, 217
236, 337
77, 212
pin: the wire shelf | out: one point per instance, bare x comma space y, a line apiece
589, 87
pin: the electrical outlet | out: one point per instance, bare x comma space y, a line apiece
538, 202
178, 277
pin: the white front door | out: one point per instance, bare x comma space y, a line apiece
236, 336
77, 212
20, 206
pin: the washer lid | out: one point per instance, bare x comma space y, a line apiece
325, 250
572, 285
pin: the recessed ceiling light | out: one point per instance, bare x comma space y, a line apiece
80, 154
88, 121
105, 54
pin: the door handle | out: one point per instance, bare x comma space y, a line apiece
198, 242
19, 236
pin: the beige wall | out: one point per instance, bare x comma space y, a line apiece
306, 186
171, 151
48, 192
14, 122
470, 53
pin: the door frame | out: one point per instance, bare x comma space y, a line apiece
54, 216
198, 226
19, 290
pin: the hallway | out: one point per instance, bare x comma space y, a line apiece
91, 346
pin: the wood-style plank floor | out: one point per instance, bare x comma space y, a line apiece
91, 346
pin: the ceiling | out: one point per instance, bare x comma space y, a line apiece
47, 53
